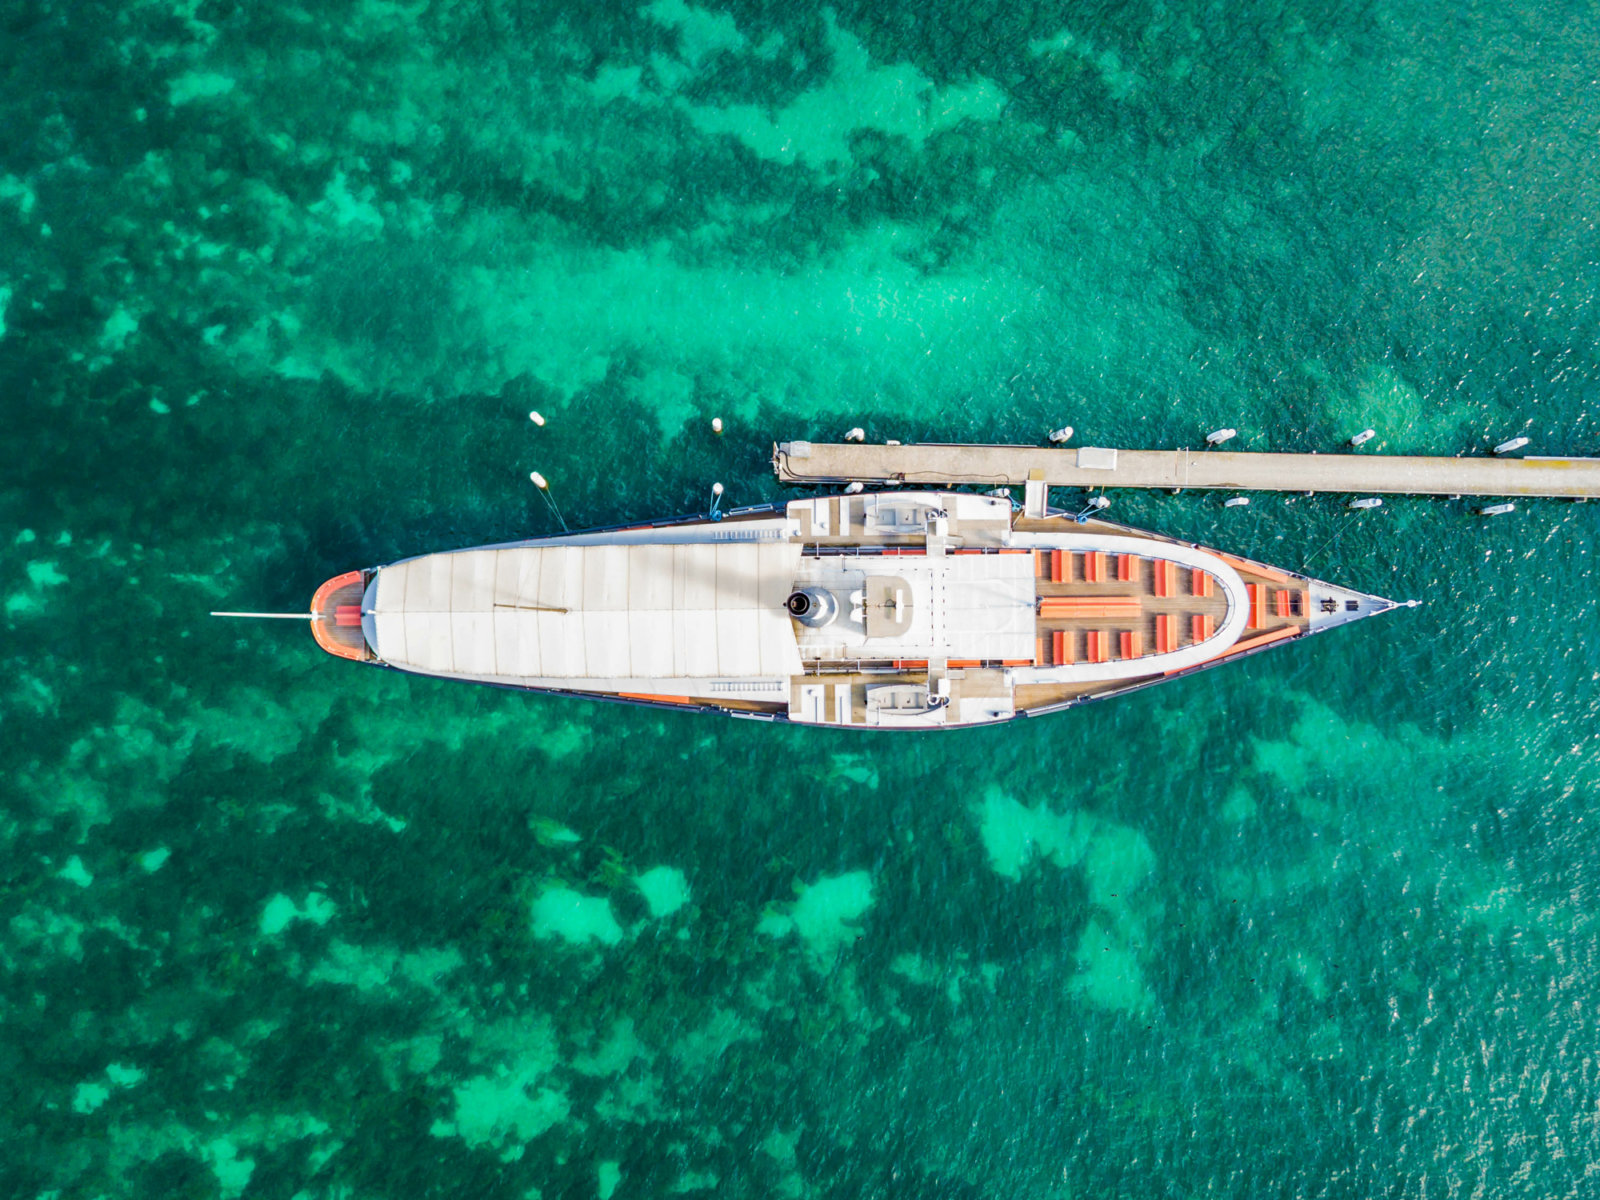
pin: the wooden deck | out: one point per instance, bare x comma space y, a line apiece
1126, 602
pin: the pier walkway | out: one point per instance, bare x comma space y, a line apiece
1091, 467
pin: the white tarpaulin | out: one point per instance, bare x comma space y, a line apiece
592, 612
961, 606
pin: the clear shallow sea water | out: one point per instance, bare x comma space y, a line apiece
280, 286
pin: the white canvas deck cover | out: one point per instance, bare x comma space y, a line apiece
962, 606
705, 609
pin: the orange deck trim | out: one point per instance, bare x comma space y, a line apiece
1132, 643
320, 618
1255, 568
911, 664
1057, 574
1099, 646
1201, 583
955, 663
1094, 567
655, 699
1282, 633
1201, 628
1038, 651
333, 585
1058, 647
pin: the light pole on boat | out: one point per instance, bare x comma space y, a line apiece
543, 484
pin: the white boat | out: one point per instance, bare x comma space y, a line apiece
894, 610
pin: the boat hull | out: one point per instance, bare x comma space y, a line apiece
886, 611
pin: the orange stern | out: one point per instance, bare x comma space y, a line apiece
336, 617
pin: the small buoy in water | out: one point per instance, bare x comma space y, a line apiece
1064, 434
1236, 502
1495, 510
1362, 438
999, 493
539, 481
857, 434
1100, 502
891, 442
1516, 443
716, 499
1367, 502
855, 488
536, 417
716, 489
716, 424
1217, 436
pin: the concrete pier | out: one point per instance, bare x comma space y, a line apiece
1093, 467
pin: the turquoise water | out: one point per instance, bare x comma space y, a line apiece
280, 286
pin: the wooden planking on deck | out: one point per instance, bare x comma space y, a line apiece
832, 462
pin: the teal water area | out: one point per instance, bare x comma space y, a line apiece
279, 286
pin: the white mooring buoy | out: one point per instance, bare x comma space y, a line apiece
543, 484
855, 488
857, 434
1362, 438
1236, 502
1217, 436
1058, 436
716, 424
1367, 502
1495, 510
1516, 443
1000, 493
536, 417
